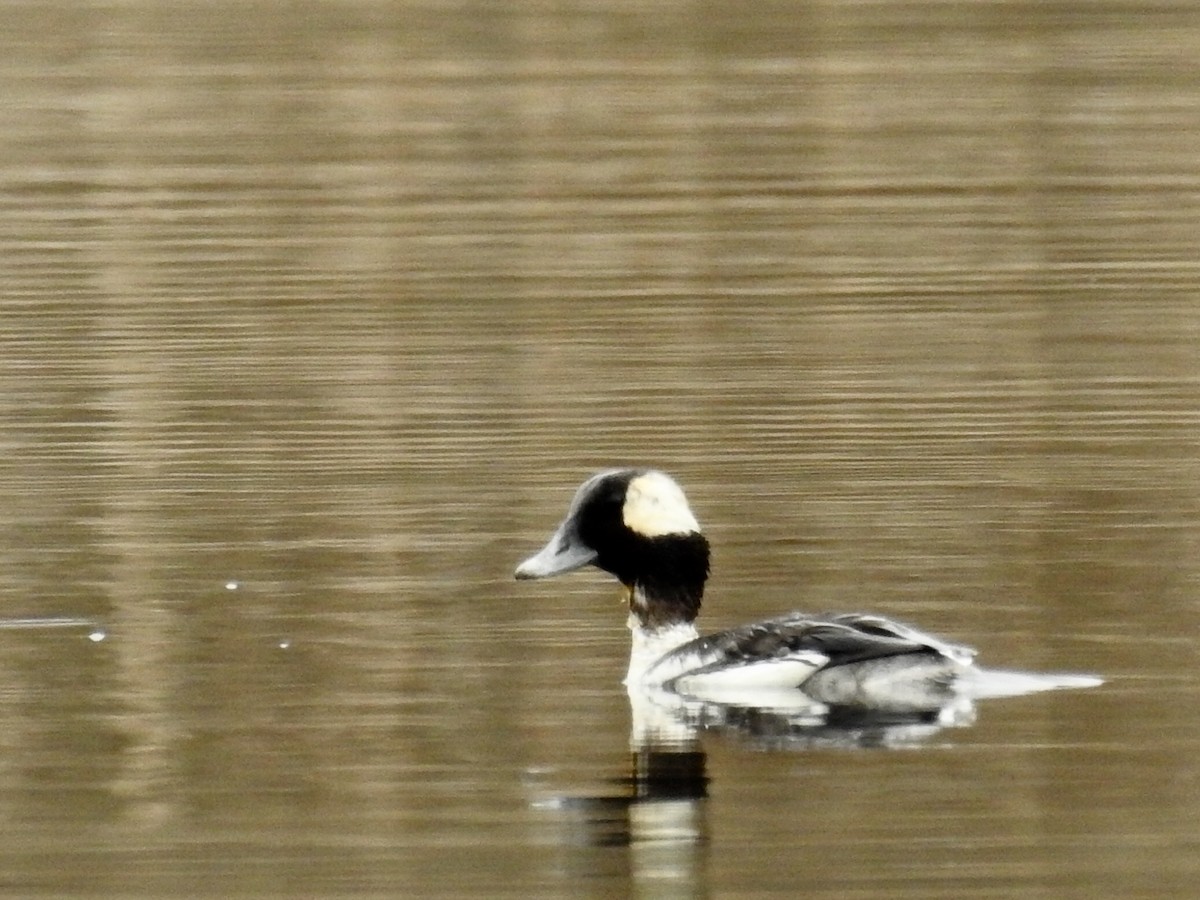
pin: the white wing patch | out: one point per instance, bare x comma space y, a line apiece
655, 505
779, 672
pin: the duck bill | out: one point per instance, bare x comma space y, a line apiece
563, 553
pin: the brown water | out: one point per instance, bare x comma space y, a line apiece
312, 316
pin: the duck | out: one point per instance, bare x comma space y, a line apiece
636, 525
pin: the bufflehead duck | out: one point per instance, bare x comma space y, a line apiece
636, 524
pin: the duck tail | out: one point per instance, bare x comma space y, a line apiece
985, 683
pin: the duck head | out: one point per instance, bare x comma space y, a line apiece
636, 525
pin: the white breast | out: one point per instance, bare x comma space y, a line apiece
649, 648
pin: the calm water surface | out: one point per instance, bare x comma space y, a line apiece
311, 320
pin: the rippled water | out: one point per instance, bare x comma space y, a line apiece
312, 318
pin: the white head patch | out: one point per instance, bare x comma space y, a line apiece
655, 505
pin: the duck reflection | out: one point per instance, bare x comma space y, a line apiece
665, 718
656, 809
654, 813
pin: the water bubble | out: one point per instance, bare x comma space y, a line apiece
232, 585
97, 635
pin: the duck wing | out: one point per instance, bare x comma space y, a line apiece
873, 636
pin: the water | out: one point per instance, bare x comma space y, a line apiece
336, 304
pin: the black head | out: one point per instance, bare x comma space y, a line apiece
637, 525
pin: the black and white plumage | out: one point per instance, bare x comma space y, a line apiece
636, 524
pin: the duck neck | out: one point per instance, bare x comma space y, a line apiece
662, 603
659, 623
665, 583
651, 645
